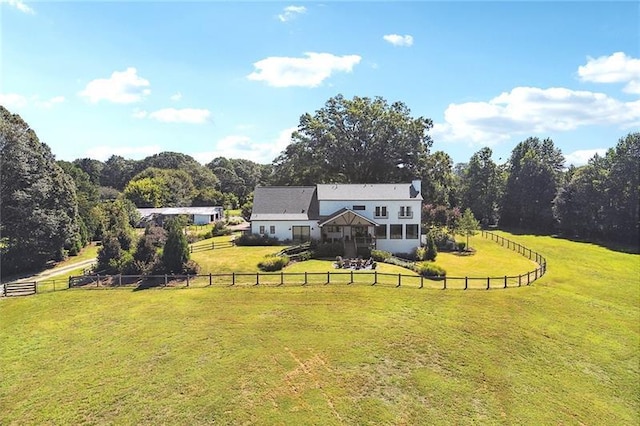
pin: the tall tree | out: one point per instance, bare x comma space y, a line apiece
117, 172
535, 172
175, 254
356, 140
481, 187
38, 204
438, 180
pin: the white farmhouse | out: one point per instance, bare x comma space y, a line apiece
383, 216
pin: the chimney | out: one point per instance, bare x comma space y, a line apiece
417, 185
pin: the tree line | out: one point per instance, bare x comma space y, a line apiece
50, 209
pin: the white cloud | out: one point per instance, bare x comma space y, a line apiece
582, 156
20, 5
399, 40
103, 153
176, 97
616, 68
123, 87
49, 103
531, 110
12, 100
290, 12
310, 71
242, 146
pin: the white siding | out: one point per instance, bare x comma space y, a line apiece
328, 207
283, 228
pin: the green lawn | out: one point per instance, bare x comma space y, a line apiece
563, 351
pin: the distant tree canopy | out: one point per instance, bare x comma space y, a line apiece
535, 175
355, 140
38, 203
600, 200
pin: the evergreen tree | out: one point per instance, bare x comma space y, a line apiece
175, 254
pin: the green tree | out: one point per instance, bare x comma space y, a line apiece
175, 254
38, 203
482, 186
155, 187
467, 225
535, 175
357, 140
438, 180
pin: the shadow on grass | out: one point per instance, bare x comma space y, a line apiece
611, 245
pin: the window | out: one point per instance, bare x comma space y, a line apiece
395, 232
405, 212
272, 229
332, 229
381, 232
261, 229
300, 233
359, 208
411, 232
381, 211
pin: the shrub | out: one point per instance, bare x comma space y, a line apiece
323, 250
461, 245
420, 253
302, 256
431, 250
256, 240
273, 263
430, 270
191, 268
380, 255
400, 262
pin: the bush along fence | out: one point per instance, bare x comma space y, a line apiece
276, 279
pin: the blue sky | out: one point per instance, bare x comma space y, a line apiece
231, 79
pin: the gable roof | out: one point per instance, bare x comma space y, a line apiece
368, 191
285, 203
347, 216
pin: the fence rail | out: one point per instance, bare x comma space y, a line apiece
276, 279
194, 248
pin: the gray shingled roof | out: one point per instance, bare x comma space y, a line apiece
285, 203
169, 211
371, 192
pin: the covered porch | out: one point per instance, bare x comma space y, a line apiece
354, 230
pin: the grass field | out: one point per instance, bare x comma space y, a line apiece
564, 351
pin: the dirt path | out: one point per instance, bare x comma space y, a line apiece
53, 272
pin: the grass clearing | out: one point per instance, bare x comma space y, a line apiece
563, 351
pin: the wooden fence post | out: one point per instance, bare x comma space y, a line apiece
399, 280
257, 278
233, 278
444, 283
351, 282
187, 280
505, 281
119, 280
328, 277
210, 279
375, 277
519, 280
488, 282
281, 278
165, 280
305, 278
466, 283
421, 281
70, 278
